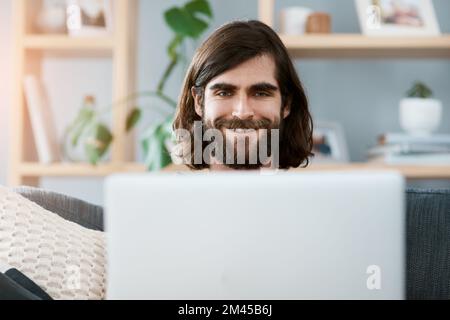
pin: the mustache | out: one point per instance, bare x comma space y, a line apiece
237, 123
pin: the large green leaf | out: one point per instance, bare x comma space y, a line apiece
191, 20
199, 7
156, 155
133, 118
184, 23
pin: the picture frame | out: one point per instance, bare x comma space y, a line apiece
397, 17
89, 17
330, 145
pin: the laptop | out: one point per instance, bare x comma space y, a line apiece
249, 236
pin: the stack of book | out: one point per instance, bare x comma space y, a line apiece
404, 149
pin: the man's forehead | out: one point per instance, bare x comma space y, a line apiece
252, 72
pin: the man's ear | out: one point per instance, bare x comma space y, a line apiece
197, 102
287, 108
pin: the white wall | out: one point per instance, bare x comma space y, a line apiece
5, 88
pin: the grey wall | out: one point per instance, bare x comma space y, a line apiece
363, 95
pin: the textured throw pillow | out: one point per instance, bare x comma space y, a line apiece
63, 258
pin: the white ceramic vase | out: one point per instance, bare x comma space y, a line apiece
293, 20
420, 116
52, 17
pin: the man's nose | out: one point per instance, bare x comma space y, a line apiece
243, 109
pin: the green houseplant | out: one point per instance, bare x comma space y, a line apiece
187, 23
419, 90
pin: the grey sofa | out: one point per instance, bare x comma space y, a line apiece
428, 234
428, 244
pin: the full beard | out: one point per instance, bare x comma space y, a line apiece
243, 140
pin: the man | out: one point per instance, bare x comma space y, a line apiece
242, 81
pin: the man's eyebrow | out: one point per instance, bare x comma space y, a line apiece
223, 86
263, 86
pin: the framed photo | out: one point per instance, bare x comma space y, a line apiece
397, 17
89, 17
330, 145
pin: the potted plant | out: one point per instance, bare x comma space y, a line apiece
420, 114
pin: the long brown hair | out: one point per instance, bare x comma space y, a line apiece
230, 46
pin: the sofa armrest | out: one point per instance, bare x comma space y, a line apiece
83, 213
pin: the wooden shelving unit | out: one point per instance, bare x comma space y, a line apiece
29, 49
77, 170
345, 46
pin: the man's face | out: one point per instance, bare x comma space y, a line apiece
246, 97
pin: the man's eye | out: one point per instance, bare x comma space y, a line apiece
261, 94
224, 94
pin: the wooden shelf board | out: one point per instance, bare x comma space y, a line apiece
86, 170
411, 172
64, 42
77, 170
356, 45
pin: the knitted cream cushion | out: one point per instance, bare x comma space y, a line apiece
63, 258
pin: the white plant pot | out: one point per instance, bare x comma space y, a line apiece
420, 116
293, 20
52, 19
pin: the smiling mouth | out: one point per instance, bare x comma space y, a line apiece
242, 130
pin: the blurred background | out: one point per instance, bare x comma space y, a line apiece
361, 95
